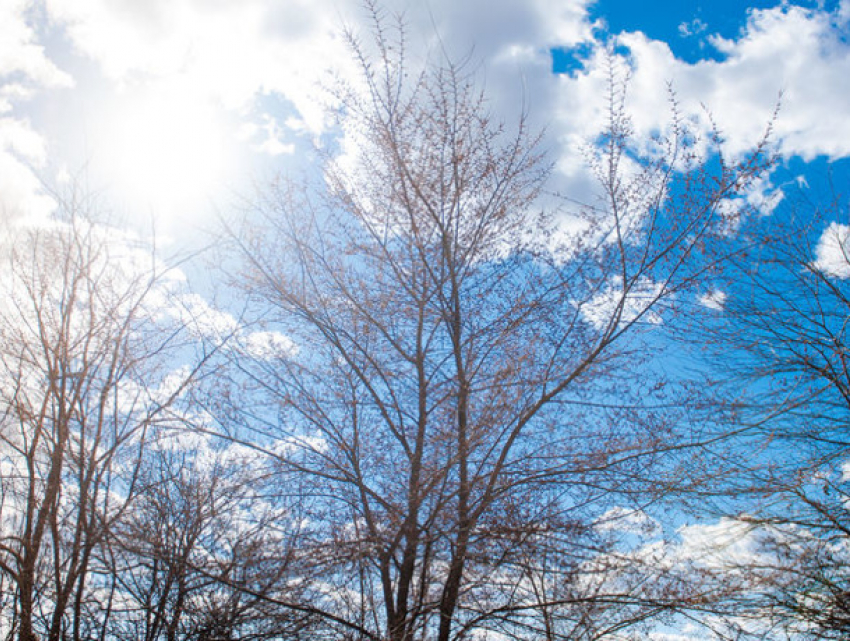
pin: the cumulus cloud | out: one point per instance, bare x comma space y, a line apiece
727, 544
24, 69
631, 305
268, 345
799, 53
231, 52
790, 58
204, 320
619, 519
715, 299
238, 51
832, 254
711, 559
235, 52
236, 55
803, 54
20, 188
20, 50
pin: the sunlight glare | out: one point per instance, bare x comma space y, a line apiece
165, 151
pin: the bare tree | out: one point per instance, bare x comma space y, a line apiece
459, 395
84, 349
203, 554
782, 339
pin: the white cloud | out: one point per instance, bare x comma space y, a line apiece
797, 52
20, 51
235, 52
272, 144
715, 299
635, 303
230, 52
17, 136
725, 545
268, 345
20, 190
24, 69
832, 254
763, 196
619, 519
802, 54
786, 49
11, 93
692, 28
203, 320
22, 151
236, 55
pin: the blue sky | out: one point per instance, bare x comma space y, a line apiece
685, 25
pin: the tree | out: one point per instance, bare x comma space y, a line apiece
782, 339
202, 553
84, 363
459, 397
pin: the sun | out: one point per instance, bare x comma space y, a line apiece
163, 149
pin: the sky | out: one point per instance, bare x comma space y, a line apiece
171, 110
